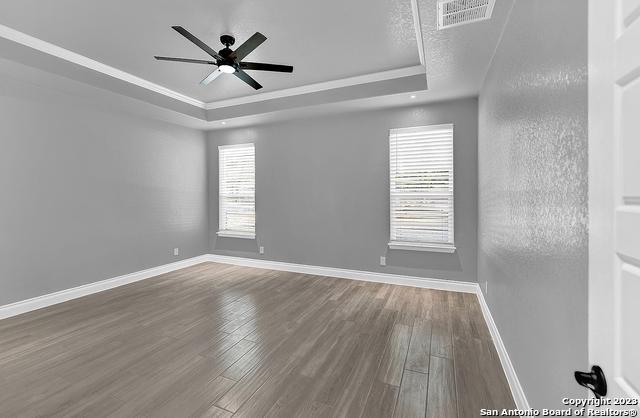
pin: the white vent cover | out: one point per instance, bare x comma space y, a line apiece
460, 12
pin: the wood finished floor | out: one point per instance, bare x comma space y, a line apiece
219, 341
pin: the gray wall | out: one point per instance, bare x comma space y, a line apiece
533, 194
87, 194
323, 191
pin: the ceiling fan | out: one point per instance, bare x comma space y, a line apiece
229, 61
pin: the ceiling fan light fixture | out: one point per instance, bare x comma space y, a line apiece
227, 69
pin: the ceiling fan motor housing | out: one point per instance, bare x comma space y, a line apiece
227, 40
225, 52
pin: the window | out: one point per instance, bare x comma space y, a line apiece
237, 192
421, 169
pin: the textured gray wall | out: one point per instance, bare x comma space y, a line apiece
87, 195
323, 191
533, 194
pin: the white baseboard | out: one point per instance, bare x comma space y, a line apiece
439, 284
43, 301
510, 372
368, 276
39, 302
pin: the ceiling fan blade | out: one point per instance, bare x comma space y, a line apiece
208, 79
249, 45
206, 48
185, 60
259, 66
247, 79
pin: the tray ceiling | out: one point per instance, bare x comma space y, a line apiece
325, 40
363, 52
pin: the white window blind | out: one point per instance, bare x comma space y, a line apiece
421, 168
237, 191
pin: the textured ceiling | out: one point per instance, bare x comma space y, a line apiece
323, 40
457, 58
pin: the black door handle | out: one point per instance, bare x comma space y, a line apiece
594, 380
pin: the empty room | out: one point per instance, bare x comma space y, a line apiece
364, 208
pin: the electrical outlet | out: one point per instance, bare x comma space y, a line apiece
383, 261
261, 249
176, 251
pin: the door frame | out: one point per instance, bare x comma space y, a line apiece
605, 176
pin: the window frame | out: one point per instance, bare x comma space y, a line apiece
439, 247
231, 233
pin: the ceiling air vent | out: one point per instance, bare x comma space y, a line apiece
460, 12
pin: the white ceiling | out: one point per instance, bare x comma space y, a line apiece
324, 40
457, 59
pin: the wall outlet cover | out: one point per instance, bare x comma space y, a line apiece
383, 261
176, 251
261, 250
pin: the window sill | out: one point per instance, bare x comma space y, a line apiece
232, 234
414, 246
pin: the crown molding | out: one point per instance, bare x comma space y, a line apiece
417, 26
86, 62
316, 87
75, 58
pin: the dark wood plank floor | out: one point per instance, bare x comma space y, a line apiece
220, 341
